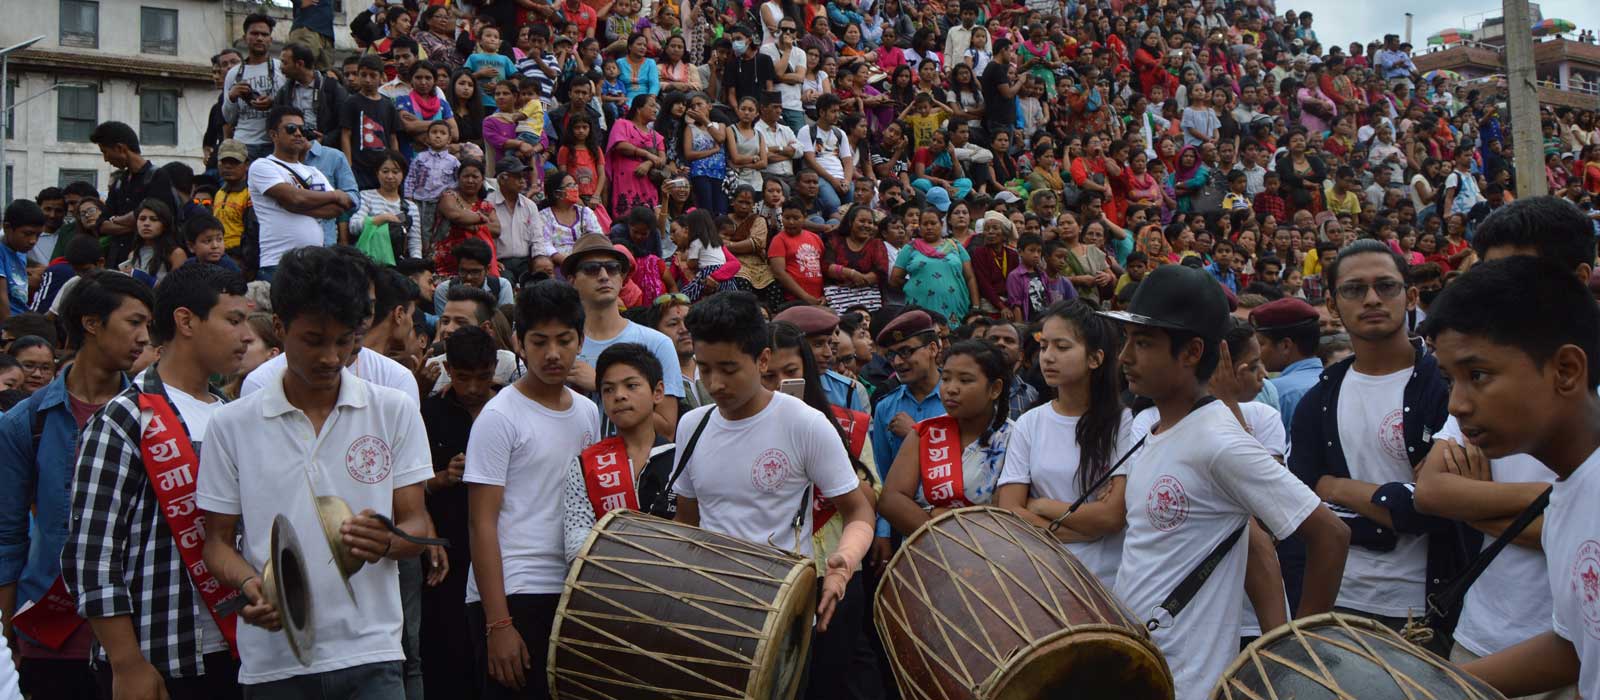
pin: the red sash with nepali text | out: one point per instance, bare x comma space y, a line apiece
855, 424
608, 476
942, 481
171, 465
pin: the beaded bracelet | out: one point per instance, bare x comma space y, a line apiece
497, 624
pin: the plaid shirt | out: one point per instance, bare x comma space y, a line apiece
120, 557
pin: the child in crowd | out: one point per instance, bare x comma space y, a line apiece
231, 204
203, 233
432, 172
1135, 268
371, 123
487, 65
1236, 199
796, 256
613, 91
700, 252
1034, 286
158, 251
582, 157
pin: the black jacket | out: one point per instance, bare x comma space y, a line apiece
1316, 452
327, 103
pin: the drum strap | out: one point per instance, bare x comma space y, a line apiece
683, 460
1190, 585
1447, 600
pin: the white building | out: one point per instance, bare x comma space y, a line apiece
143, 62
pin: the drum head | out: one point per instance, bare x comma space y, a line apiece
784, 654
1343, 657
1085, 663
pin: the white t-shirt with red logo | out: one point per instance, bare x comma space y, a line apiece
519, 444
748, 476
1571, 540
1189, 488
1371, 409
1503, 607
262, 458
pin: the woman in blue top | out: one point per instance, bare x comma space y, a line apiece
638, 71
702, 149
935, 272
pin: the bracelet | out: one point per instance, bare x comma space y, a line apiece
388, 544
245, 582
497, 624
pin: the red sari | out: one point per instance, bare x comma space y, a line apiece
444, 261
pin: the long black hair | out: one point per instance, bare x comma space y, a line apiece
1098, 427
992, 362
787, 336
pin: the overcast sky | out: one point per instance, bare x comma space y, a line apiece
1343, 21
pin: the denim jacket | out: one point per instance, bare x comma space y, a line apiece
1316, 452
40, 480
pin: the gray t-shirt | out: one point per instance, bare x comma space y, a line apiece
249, 123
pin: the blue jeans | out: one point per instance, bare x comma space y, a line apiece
411, 633
795, 119
830, 200
379, 681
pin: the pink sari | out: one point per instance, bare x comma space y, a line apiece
628, 189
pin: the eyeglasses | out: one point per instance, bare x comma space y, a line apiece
906, 352
1356, 291
671, 297
37, 367
593, 267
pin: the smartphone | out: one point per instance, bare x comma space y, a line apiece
793, 387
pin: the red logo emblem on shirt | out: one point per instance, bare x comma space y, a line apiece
369, 460
770, 471
1586, 585
1392, 435
1166, 505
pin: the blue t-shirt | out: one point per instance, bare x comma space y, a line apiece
658, 344
14, 267
501, 63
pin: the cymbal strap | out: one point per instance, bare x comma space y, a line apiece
413, 539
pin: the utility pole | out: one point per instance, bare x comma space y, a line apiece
1523, 99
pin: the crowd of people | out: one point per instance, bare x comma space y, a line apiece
1174, 274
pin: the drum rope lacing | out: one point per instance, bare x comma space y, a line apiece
1259, 656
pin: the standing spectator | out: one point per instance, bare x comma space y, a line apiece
231, 202
369, 124
138, 180
333, 165
54, 205
313, 29
248, 89
633, 151
288, 195
432, 173
387, 206
752, 71
468, 215
436, 34
321, 98
221, 65
521, 229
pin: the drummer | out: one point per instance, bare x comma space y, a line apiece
953, 460
751, 472
1197, 481
627, 470
1524, 382
1066, 447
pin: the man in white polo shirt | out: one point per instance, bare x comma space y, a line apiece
322, 431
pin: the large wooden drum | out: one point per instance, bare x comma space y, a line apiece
981, 604
657, 609
1343, 657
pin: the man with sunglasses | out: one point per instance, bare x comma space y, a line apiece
599, 270
912, 345
789, 61
1359, 434
289, 194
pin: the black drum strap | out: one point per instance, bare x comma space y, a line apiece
1442, 604
1190, 585
1084, 497
683, 459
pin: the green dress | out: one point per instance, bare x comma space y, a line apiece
937, 283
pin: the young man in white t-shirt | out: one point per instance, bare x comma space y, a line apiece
199, 324
289, 195
789, 61
517, 457
1524, 382
318, 431
826, 150
1457, 481
1359, 434
1198, 479
751, 473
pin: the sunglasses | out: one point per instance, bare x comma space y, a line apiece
593, 267
1356, 291
671, 297
297, 129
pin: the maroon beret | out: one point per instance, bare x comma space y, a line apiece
811, 320
905, 327
1282, 314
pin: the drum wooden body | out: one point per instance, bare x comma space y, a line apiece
657, 609
1344, 657
980, 604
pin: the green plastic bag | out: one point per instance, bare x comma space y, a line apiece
374, 241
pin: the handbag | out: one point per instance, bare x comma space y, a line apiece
1208, 199
839, 297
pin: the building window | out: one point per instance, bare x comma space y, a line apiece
8, 186
67, 177
158, 30
158, 117
77, 112
11, 115
80, 23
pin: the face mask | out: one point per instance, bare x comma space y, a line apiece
1428, 295
740, 46
571, 195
